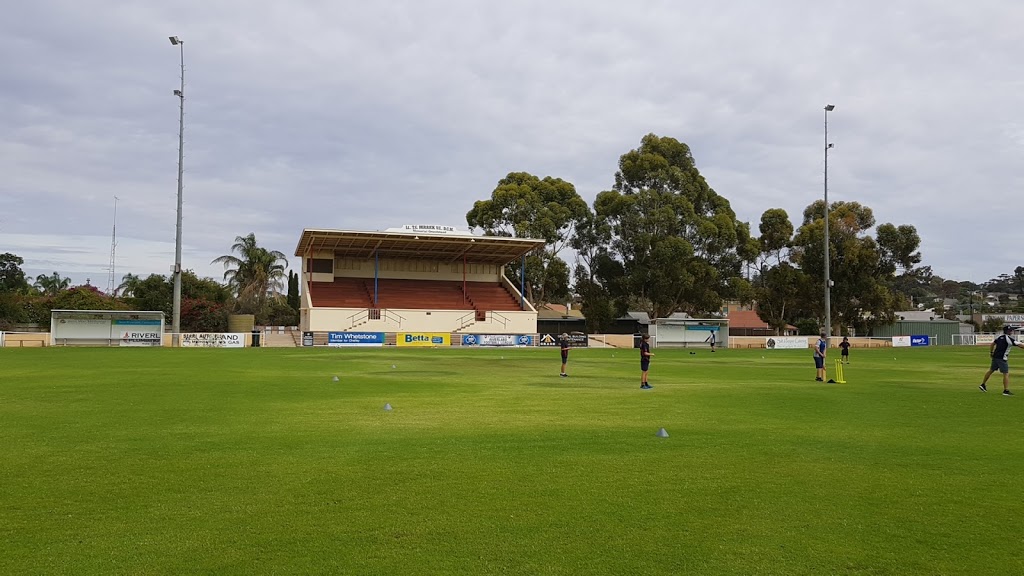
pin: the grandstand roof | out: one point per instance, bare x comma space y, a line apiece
357, 244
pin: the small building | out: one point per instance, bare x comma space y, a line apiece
748, 323
559, 318
939, 331
682, 330
106, 328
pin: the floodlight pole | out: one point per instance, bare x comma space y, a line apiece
176, 315
828, 281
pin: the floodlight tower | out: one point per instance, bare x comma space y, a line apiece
828, 281
180, 93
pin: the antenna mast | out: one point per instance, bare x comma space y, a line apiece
112, 277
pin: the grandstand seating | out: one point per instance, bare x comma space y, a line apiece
412, 294
420, 294
342, 293
490, 296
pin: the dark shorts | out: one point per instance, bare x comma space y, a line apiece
846, 352
1000, 365
819, 362
565, 356
645, 365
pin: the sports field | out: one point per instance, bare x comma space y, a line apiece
140, 461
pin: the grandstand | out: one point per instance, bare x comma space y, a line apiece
412, 279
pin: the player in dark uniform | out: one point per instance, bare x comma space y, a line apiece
563, 343
845, 345
1000, 353
645, 361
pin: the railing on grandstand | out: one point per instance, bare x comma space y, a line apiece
354, 319
466, 320
364, 316
390, 316
500, 319
473, 317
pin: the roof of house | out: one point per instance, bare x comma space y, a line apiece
749, 319
558, 312
640, 317
918, 315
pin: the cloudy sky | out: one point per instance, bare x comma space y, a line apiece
339, 114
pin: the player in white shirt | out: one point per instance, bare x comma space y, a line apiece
1000, 353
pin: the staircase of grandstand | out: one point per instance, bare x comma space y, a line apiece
412, 294
490, 296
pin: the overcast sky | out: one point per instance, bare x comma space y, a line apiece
372, 115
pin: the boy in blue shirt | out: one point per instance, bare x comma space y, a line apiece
819, 357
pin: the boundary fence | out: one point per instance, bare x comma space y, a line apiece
24, 339
287, 337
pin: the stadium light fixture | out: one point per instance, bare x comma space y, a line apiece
180, 93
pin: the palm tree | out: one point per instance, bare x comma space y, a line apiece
129, 284
255, 274
51, 285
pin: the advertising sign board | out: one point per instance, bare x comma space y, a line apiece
900, 341
497, 340
424, 339
576, 340
336, 339
137, 332
785, 342
212, 340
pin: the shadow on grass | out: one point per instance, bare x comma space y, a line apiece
573, 383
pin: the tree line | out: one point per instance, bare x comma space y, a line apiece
663, 241
254, 282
